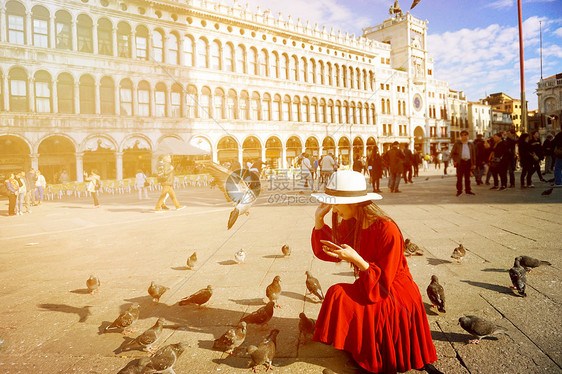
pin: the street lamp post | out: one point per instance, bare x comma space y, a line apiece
522, 71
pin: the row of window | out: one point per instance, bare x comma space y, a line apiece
173, 49
42, 94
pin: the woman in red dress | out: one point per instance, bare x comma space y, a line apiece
380, 318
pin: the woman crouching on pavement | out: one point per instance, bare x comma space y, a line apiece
379, 319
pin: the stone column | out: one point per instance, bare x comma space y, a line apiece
34, 157
215, 156
95, 39
31, 94
263, 153
74, 35
117, 99
119, 165
54, 97
114, 41
5, 91
154, 163
240, 157
133, 45
3, 25
79, 166
165, 49
76, 97
135, 108
28, 29
181, 58
52, 32
97, 103
283, 158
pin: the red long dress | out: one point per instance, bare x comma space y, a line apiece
380, 318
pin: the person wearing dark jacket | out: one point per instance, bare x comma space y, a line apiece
394, 158
526, 160
408, 161
547, 149
510, 141
498, 162
376, 163
536, 153
464, 158
481, 159
557, 156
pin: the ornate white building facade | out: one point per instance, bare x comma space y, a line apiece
549, 93
101, 83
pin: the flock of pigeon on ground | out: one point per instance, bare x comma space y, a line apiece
163, 359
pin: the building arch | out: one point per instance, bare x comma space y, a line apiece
137, 155
15, 23
105, 36
328, 146
293, 149
273, 152
312, 146
358, 147
99, 153
344, 150
227, 150
15, 153
251, 150
57, 154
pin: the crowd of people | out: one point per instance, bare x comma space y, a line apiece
25, 190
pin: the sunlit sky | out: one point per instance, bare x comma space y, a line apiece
474, 43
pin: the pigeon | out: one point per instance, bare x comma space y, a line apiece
286, 250
93, 283
436, 294
165, 358
264, 353
200, 297
547, 192
313, 286
412, 249
274, 290
125, 320
529, 262
459, 253
328, 371
231, 339
191, 260
156, 291
306, 328
145, 340
137, 366
518, 277
260, 316
236, 188
427, 178
479, 327
240, 256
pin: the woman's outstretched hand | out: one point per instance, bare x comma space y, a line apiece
346, 253
321, 211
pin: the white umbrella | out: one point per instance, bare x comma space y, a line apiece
173, 146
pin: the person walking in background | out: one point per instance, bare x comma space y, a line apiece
376, 168
536, 153
417, 162
510, 141
40, 186
498, 162
557, 156
31, 179
94, 184
425, 162
22, 190
166, 179
526, 160
13, 187
141, 182
464, 157
481, 158
437, 158
306, 171
327, 167
445, 157
489, 146
394, 158
547, 151
64, 177
408, 161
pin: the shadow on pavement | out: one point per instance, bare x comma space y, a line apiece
495, 270
429, 310
254, 301
437, 261
491, 287
83, 312
227, 262
273, 256
81, 291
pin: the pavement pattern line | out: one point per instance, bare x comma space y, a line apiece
514, 233
457, 354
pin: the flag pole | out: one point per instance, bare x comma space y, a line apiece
522, 71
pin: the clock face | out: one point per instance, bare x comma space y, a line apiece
417, 102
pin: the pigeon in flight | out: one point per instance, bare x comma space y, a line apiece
411, 249
231, 339
260, 316
518, 276
200, 297
286, 250
530, 263
93, 283
313, 286
479, 327
164, 359
273, 290
459, 253
125, 320
145, 340
192, 260
306, 328
240, 256
238, 188
264, 353
436, 294
156, 291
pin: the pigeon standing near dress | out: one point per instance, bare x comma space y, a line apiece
530, 263
156, 291
313, 286
231, 339
412, 249
93, 283
145, 340
125, 320
165, 358
264, 353
192, 260
479, 327
240, 256
518, 276
286, 250
436, 294
200, 297
459, 253
306, 328
260, 316
274, 290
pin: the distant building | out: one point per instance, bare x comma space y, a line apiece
458, 111
549, 94
506, 103
479, 119
501, 121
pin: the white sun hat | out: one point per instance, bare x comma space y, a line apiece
346, 187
